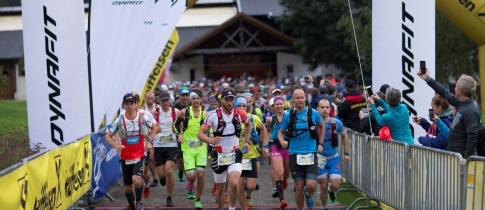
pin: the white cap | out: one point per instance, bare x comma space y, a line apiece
164, 87
275, 90
271, 102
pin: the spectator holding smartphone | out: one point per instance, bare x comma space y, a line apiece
435, 137
464, 128
396, 115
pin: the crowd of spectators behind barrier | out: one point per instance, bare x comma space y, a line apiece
358, 111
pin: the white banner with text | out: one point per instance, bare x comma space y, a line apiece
403, 34
56, 71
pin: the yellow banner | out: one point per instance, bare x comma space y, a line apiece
54, 180
468, 16
162, 61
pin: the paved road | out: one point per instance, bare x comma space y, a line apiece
262, 198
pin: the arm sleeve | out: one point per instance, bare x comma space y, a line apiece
471, 124
442, 128
424, 124
176, 125
384, 105
442, 91
377, 115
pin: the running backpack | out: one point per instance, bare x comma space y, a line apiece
187, 117
222, 124
311, 126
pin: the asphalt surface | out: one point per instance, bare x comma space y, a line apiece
262, 198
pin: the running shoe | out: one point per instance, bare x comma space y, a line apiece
139, 205
226, 199
154, 183
198, 205
249, 202
146, 192
275, 193
169, 202
332, 196
163, 181
308, 199
283, 204
191, 195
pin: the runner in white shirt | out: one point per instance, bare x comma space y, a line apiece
226, 155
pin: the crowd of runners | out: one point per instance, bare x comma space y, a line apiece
235, 125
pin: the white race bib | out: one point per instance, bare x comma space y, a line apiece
195, 143
305, 159
166, 139
226, 158
131, 162
322, 161
247, 165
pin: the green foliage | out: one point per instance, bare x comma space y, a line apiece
325, 35
455, 53
324, 31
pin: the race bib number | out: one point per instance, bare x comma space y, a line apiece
305, 159
322, 161
131, 162
132, 140
247, 164
194, 143
166, 139
224, 159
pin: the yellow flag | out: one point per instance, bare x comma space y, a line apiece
159, 67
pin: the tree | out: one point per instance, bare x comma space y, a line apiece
324, 31
455, 53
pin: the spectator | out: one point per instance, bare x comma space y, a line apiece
396, 115
464, 129
349, 110
365, 124
434, 137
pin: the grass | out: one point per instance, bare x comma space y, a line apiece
347, 195
14, 135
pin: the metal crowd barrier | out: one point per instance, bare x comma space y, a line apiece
413, 177
353, 168
386, 169
434, 179
474, 183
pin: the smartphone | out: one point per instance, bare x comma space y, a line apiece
369, 90
431, 114
422, 67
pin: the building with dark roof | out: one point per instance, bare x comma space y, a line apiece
217, 37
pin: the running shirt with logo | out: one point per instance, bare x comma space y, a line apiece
228, 142
166, 138
302, 142
132, 134
253, 148
191, 142
328, 150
